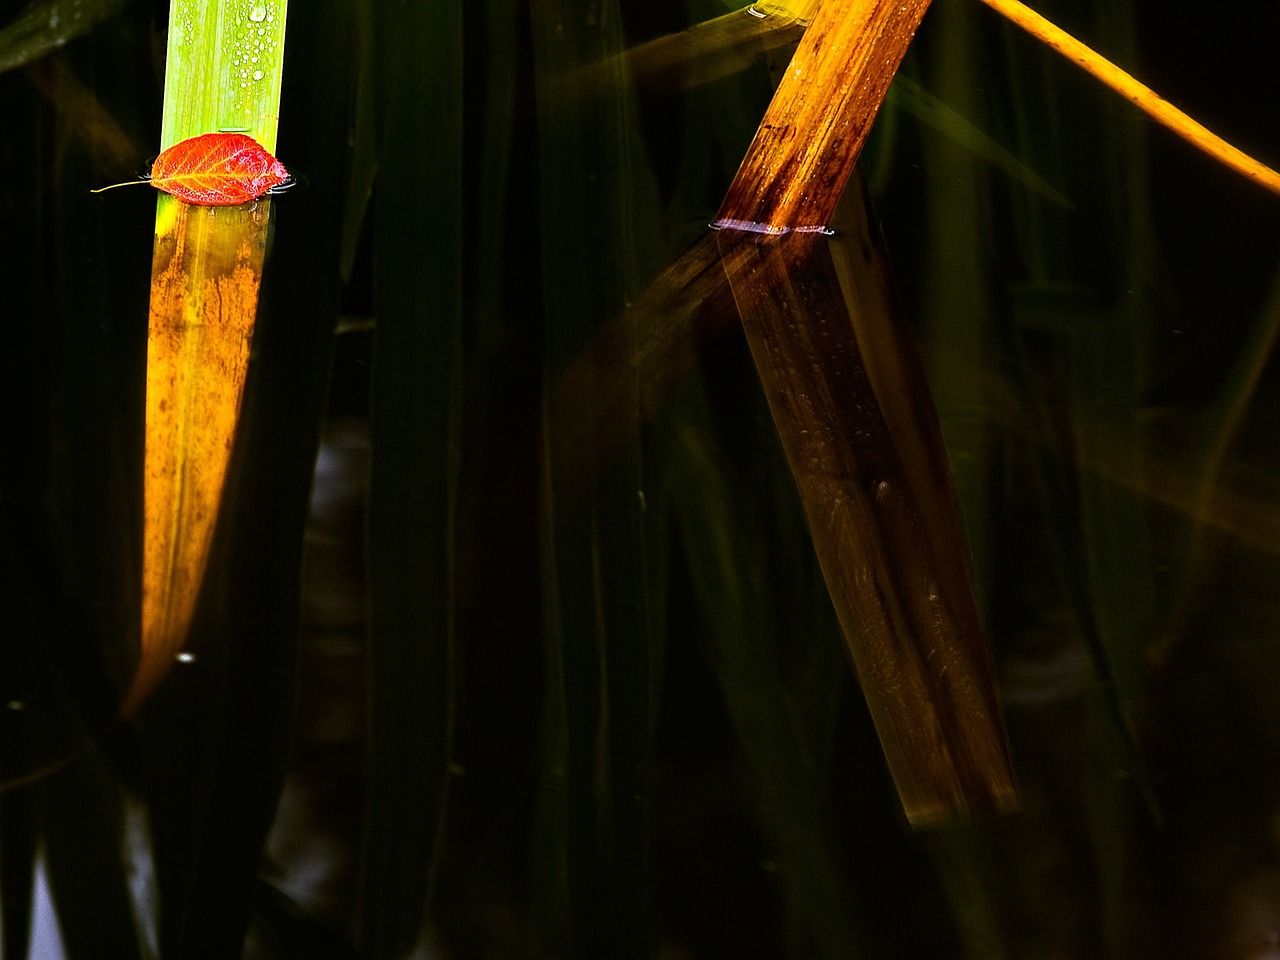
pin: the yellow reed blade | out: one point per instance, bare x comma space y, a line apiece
715, 48
205, 275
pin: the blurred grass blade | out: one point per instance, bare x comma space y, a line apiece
1085, 312
1211, 502
716, 48
597, 211
937, 113
45, 25
1241, 384
414, 413
963, 863
18, 835
502, 21
958, 313
1236, 502
83, 856
852, 409
112, 150
205, 276
363, 135
726, 554
650, 348
1083, 308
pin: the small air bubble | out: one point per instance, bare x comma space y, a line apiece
258, 13
186, 657
257, 74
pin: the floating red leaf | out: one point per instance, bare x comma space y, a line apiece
217, 170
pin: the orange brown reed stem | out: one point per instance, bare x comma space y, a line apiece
804, 150
853, 413
852, 409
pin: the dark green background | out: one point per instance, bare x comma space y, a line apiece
651, 741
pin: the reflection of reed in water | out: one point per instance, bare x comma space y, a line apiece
311, 861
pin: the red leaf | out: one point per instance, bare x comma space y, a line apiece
217, 170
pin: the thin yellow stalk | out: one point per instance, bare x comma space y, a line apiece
1138, 93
